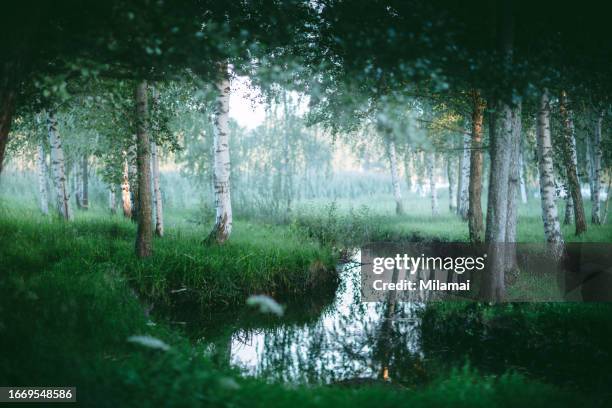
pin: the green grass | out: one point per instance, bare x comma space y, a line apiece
372, 218
258, 259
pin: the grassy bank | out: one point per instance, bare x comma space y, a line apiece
258, 259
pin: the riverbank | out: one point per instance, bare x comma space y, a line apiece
272, 260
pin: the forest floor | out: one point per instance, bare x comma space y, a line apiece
72, 294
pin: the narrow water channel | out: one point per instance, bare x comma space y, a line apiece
350, 342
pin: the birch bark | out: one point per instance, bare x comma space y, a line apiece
157, 195
475, 185
221, 171
395, 179
552, 228
58, 167
126, 196
569, 150
42, 179
596, 217
464, 179
144, 235
433, 193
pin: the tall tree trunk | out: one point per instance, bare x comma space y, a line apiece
223, 205
569, 150
159, 208
569, 205
77, 177
85, 185
464, 179
432, 184
552, 229
112, 199
493, 286
42, 180
475, 185
133, 177
144, 235
395, 178
59, 172
126, 195
596, 217
513, 189
450, 172
589, 167
408, 168
522, 175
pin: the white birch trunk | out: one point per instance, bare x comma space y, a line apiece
157, 195
513, 189
132, 175
432, 184
221, 170
112, 199
58, 167
596, 217
552, 229
523, 183
569, 202
395, 178
450, 173
77, 177
464, 179
126, 196
514, 175
42, 180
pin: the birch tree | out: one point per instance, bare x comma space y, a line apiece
144, 235
493, 286
522, 177
450, 173
221, 170
41, 166
513, 189
569, 151
112, 199
76, 182
126, 195
475, 185
552, 228
464, 179
157, 195
433, 192
58, 168
395, 178
596, 155
85, 183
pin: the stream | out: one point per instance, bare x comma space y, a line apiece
346, 342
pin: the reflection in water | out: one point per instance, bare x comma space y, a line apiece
351, 342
